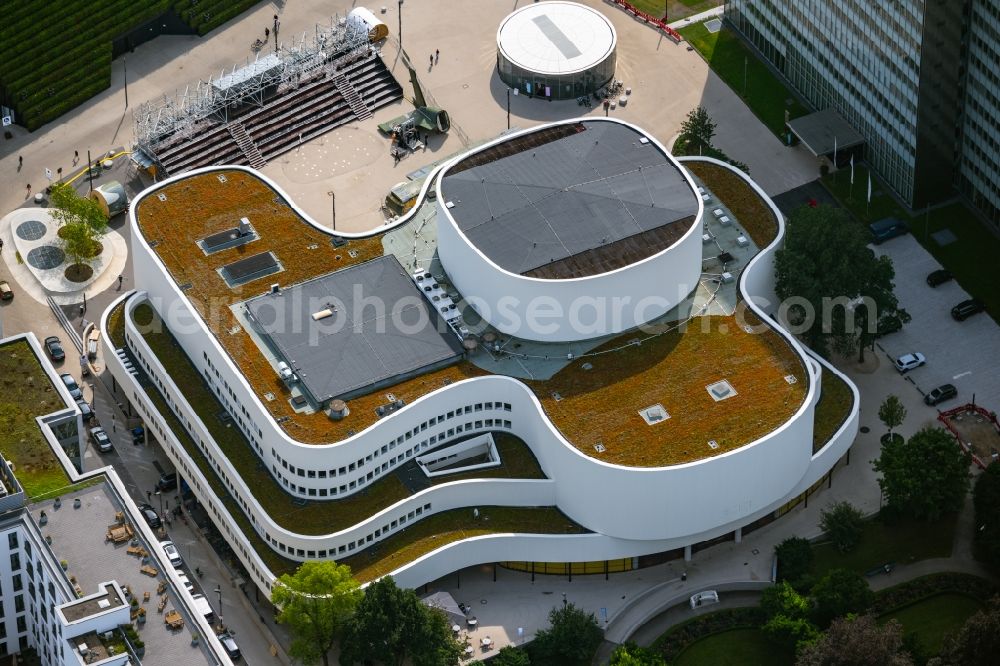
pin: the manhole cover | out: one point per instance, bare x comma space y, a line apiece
31, 230
46, 256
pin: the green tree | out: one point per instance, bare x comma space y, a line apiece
857, 641
783, 599
977, 643
833, 286
891, 413
838, 593
70, 208
790, 633
571, 639
843, 523
795, 559
511, 656
697, 131
986, 499
926, 476
391, 625
631, 654
315, 603
77, 242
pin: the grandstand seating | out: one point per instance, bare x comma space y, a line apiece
313, 108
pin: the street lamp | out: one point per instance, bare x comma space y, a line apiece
333, 207
218, 591
400, 23
159, 496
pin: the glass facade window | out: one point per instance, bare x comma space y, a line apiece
556, 86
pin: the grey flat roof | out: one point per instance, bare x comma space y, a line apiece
819, 130
357, 346
535, 202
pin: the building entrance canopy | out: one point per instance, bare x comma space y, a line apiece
823, 130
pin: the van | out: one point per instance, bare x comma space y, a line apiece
203, 607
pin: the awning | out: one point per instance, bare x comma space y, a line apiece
819, 131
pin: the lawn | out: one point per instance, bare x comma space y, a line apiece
933, 618
25, 393
834, 404
903, 542
736, 647
761, 90
676, 9
971, 258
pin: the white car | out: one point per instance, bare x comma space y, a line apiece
171, 550
908, 362
186, 582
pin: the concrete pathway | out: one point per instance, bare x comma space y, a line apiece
714, 12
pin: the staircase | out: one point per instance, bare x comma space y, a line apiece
246, 144
351, 96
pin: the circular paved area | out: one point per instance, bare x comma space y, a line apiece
31, 230
46, 257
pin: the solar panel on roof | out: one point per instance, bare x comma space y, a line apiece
265, 262
215, 240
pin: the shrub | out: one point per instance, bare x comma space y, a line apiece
843, 523
795, 558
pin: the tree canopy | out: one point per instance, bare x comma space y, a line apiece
833, 287
631, 654
571, 639
977, 643
857, 640
70, 208
795, 558
391, 624
839, 593
697, 131
788, 624
843, 523
892, 413
315, 603
986, 499
511, 656
925, 476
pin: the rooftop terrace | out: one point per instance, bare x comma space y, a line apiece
596, 408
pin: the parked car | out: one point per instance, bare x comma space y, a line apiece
908, 362
966, 309
99, 437
6, 293
71, 386
171, 550
53, 346
232, 649
138, 435
202, 606
186, 582
939, 277
85, 411
887, 228
940, 394
149, 513
167, 481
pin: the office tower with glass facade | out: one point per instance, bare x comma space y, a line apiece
894, 70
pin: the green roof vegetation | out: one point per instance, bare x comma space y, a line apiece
26, 393
58, 55
447, 527
766, 95
752, 212
835, 402
315, 517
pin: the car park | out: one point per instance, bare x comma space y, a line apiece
229, 643
71, 386
167, 481
940, 394
967, 308
171, 550
99, 437
887, 228
908, 362
149, 514
939, 277
6, 293
53, 347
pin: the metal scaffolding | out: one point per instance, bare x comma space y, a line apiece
172, 120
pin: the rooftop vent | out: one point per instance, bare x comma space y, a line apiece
712, 444
338, 410
244, 227
791, 379
221, 177
285, 372
161, 196
599, 447
653, 415
721, 390
323, 314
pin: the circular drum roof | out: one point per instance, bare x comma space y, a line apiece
556, 37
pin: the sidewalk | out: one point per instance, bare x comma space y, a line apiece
714, 12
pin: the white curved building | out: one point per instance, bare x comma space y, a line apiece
556, 50
362, 422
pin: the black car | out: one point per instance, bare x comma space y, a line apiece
966, 309
167, 481
232, 649
149, 513
53, 347
940, 394
939, 277
72, 386
85, 411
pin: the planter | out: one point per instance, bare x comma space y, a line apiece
140, 651
77, 503
57, 503
43, 520
895, 437
64, 564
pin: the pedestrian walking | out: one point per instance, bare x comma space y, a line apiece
120, 278
149, 495
432, 61
437, 56
20, 162
29, 188
76, 157
267, 34
1, 245
59, 173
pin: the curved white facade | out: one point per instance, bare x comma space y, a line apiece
631, 511
574, 309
